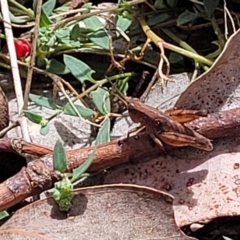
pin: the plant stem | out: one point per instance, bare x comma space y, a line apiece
156, 40
33, 54
24, 10
218, 32
103, 81
178, 40
117, 8
5, 65
186, 47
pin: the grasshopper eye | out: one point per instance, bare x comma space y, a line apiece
157, 123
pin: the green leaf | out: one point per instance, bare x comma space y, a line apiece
59, 157
172, 3
62, 34
210, 6
80, 70
3, 215
84, 167
84, 112
157, 18
74, 44
44, 20
34, 5
159, 4
18, 19
186, 17
51, 41
49, 6
123, 23
42, 101
57, 67
101, 100
100, 38
87, 5
44, 130
93, 23
175, 58
123, 85
75, 32
34, 117
106, 103
104, 132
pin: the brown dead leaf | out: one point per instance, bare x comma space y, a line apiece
19, 234
219, 88
203, 188
106, 212
204, 185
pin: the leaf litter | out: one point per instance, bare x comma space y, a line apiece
103, 212
204, 185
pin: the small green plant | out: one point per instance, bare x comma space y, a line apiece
63, 189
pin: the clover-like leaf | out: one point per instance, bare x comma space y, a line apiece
104, 132
44, 130
63, 34
101, 100
44, 19
49, 6
123, 23
42, 101
186, 17
158, 18
83, 111
100, 38
160, 4
93, 23
172, 3
210, 6
75, 32
80, 70
57, 67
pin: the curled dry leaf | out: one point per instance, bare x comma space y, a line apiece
106, 212
219, 88
204, 185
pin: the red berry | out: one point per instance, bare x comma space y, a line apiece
23, 48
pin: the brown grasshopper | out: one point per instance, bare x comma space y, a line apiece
167, 127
